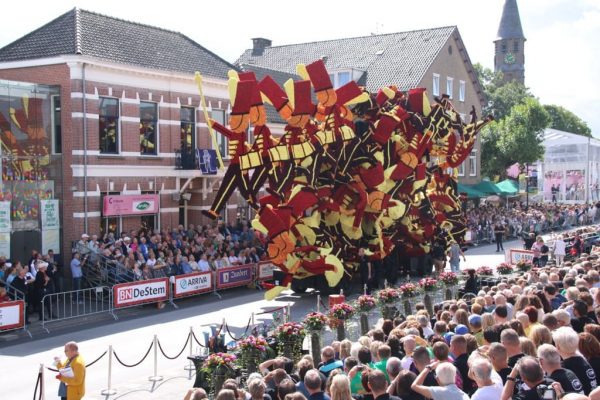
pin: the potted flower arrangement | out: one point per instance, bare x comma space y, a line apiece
524, 265
315, 321
219, 367
338, 314
252, 349
408, 290
484, 270
289, 338
428, 284
364, 304
386, 298
448, 278
505, 269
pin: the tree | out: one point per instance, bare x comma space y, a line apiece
517, 138
565, 120
501, 97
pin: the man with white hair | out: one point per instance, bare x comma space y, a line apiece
550, 361
532, 374
563, 317
425, 324
446, 377
481, 372
567, 344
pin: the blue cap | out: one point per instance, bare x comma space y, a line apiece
461, 329
448, 337
475, 319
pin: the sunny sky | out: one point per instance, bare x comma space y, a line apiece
561, 52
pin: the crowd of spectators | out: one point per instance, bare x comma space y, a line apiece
518, 220
140, 255
532, 336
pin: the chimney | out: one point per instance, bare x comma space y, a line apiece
259, 45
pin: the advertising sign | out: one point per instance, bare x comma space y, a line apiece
49, 212
189, 284
234, 276
5, 244
11, 315
150, 291
4, 216
207, 158
516, 255
50, 240
134, 204
265, 270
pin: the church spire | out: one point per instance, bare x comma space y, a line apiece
510, 23
509, 54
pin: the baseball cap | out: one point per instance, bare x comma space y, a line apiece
448, 337
475, 319
461, 329
85, 236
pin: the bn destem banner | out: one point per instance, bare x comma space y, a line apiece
150, 291
265, 271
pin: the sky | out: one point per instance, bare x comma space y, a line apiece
561, 52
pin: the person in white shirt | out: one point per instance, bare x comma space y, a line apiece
233, 260
481, 372
193, 264
425, 324
559, 250
203, 265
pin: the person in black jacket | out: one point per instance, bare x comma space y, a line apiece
22, 282
43, 285
472, 283
499, 235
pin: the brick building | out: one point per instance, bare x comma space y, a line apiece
121, 116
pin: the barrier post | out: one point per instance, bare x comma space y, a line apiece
109, 391
172, 283
289, 312
155, 377
318, 303
190, 366
252, 319
42, 385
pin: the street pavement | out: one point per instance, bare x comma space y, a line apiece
132, 334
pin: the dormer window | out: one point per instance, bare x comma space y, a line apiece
340, 78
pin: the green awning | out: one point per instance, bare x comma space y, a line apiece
508, 186
489, 188
470, 191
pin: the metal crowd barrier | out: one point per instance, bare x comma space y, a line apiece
76, 303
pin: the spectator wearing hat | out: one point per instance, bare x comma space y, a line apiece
42, 286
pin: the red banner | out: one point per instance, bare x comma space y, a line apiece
264, 271
150, 291
190, 284
11, 315
234, 276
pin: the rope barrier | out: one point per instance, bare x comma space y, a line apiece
325, 307
271, 311
243, 335
137, 363
87, 365
37, 385
180, 353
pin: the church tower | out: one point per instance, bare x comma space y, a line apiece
509, 54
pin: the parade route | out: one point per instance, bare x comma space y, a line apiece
131, 336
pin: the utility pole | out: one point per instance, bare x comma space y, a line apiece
526, 187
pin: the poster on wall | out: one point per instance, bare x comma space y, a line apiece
5, 244
49, 213
50, 240
4, 216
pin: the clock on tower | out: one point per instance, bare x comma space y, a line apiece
509, 58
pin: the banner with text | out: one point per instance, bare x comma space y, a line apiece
516, 255
150, 291
4, 216
11, 315
265, 271
190, 284
5, 244
234, 276
50, 214
130, 204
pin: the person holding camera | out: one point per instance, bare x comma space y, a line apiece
537, 387
550, 361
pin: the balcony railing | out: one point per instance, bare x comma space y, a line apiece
185, 159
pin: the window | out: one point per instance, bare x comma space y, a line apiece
219, 116
473, 163
109, 125
343, 78
461, 90
461, 169
112, 223
188, 128
148, 129
516, 46
450, 86
503, 47
436, 84
56, 126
